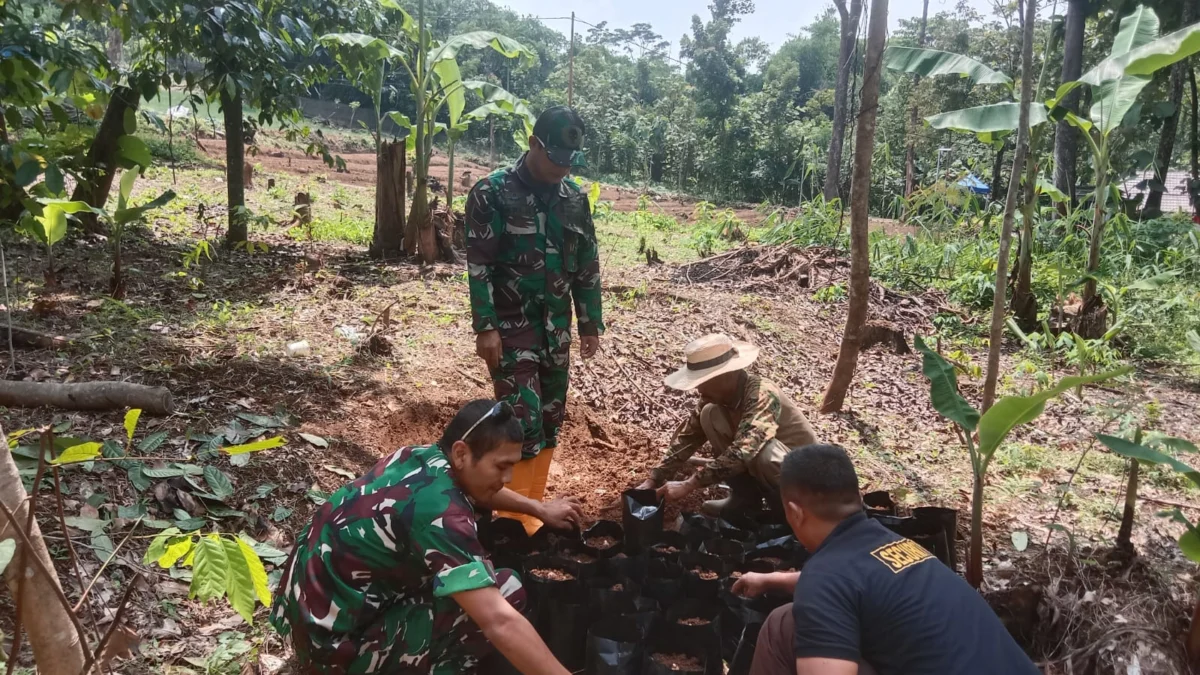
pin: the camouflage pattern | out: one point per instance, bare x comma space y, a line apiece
368, 587
531, 251
535, 383
762, 413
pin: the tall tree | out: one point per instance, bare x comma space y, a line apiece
1066, 136
999, 296
254, 52
1170, 124
860, 196
849, 42
914, 117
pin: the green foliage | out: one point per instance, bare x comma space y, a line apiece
223, 566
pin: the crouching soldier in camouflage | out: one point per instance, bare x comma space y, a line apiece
531, 250
746, 419
390, 576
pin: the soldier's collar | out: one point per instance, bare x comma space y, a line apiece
537, 187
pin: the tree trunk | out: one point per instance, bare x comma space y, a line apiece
1125, 534
419, 235
235, 164
57, 645
1166, 144
999, 296
1066, 137
1195, 128
101, 162
914, 117
841, 97
860, 192
388, 238
998, 170
974, 571
450, 176
1024, 302
1097, 235
491, 143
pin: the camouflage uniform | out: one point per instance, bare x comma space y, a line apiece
765, 420
531, 249
368, 587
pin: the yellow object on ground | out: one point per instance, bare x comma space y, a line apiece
529, 480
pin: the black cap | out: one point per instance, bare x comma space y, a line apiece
560, 129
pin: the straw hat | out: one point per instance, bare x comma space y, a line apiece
708, 357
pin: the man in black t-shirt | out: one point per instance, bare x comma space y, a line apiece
868, 600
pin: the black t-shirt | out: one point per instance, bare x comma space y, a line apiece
870, 595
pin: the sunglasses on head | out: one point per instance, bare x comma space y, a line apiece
495, 410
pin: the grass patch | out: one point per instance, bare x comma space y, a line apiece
343, 228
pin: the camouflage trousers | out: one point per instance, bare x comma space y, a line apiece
432, 637
535, 383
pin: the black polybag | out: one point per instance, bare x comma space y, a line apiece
604, 600
669, 545
642, 517
614, 647
693, 585
708, 635
666, 642
732, 552
663, 582
605, 528
743, 656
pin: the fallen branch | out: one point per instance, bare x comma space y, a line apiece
87, 396
28, 338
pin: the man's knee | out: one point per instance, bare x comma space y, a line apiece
511, 588
774, 653
717, 426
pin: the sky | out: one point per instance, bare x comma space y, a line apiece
773, 20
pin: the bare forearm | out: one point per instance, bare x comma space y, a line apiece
782, 582
507, 500
516, 639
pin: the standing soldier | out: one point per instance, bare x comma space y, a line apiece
531, 250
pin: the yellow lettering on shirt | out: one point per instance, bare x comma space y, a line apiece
902, 554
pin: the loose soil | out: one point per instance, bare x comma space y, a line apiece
551, 574
694, 621
600, 543
706, 575
679, 662
617, 587
579, 558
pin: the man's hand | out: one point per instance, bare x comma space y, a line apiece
562, 514
675, 490
488, 347
589, 345
751, 585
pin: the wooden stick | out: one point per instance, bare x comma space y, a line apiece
86, 396
87, 665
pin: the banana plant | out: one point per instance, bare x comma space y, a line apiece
498, 103
1137, 53
1153, 449
125, 214
984, 433
431, 70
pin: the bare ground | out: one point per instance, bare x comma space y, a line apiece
215, 334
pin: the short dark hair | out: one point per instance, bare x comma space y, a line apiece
503, 427
822, 479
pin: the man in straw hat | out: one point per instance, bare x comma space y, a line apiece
748, 420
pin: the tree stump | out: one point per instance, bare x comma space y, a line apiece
388, 238
302, 208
